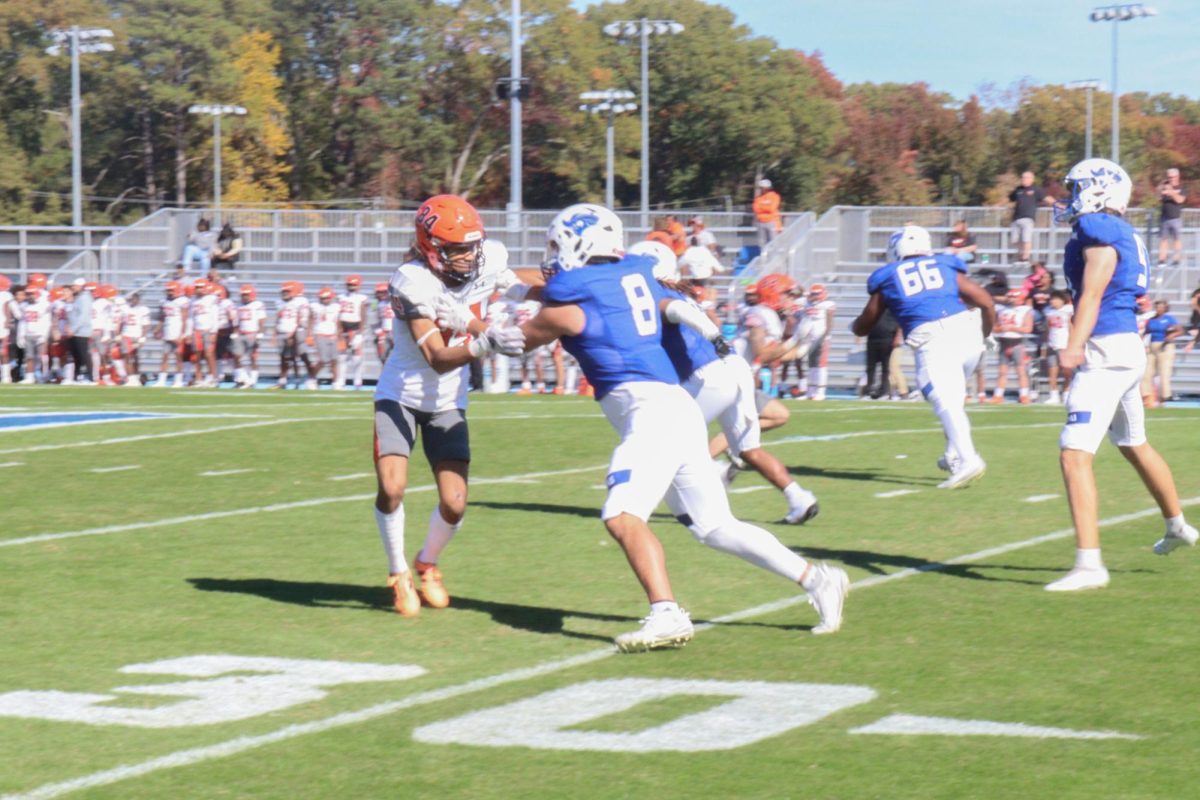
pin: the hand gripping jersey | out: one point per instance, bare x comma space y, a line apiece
758, 316
920, 289
325, 319
622, 339
1118, 306
688, 350
352, 307
251, 317
1012, 316
407, 377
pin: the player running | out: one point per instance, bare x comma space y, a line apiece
928, 295
423, 386
1107, 269
609, 311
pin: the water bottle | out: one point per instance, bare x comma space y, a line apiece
983, 259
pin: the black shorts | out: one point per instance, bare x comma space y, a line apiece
444, 435
225, 343
351, 327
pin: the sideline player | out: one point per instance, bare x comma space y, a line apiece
171, 317
325, 328
609, 311
1014, 324
928, 295
1107, 268
251, 319
820, 310
9, 315
384, 315
352, 317
423, 386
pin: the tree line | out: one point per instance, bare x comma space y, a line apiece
395, 100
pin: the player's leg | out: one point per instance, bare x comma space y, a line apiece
1022, 368
942, 369
1091, 406
560, 372
343, 357
1003, 357
356, 358
394, 438
446, 440
210, 357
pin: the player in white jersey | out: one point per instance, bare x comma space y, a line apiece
326, 315
384, 316
134, 326
205, 318
1107, 268
101, 333
1058, 323
171, 315
1014, 323
423, 386
9, 314
819, 310
352, 323
288, 335
37, 336
117, 313
251, 320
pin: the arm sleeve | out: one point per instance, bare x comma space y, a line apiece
682, 312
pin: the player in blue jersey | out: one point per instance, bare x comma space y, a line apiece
610, 313
1107, 269
929, 296
723, 387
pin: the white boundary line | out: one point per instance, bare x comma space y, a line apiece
239, 512
243, 744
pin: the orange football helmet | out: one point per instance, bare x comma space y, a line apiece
381, 288
5, 283
325, 294
773, 290
173, 289
248, 290
817, 292
36, 281
448, 225
353, 281
200, 286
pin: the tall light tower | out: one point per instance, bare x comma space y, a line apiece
217, 112
1117, 14
1090, 86
645, 28
608, 102
78, 40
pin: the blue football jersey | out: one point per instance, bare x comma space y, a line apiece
688, 350
1118, 305
920, 289
622, 338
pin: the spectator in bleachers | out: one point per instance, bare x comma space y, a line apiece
675, 230
228, 248
1058, 325
660, 233
1162, 330
1038, 275
767, 218
1026, 199
1172, 195
700, 236
199, 247
961, 242
1194, 322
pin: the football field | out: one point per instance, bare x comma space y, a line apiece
192, 604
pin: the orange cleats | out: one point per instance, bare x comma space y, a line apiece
404, 596
1025, 400
995, 401
558, 390
433, 591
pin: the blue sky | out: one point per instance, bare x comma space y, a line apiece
960, 46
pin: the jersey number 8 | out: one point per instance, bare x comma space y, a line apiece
641, 303
917, 276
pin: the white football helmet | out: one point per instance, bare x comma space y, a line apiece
911, 240
700, 263
580, 233
1095, 184
666, 267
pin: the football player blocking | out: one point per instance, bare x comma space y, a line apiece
423, 385
615, 319
929, 296
1107, 268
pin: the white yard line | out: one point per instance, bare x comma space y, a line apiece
37, 448
837, 437
125, 468
12, 464
1041, 498
352, 477
896, 493
749, 489
220, 473
242, 744
238, 512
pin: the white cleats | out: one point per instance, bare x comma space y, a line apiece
965, 473
947, 463
828, 596
803, 513
1080, 579
1172, 540
662, 630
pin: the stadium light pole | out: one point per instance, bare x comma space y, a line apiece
1117, 14
217, 111
1090, 86
514, 98
627, 28
608, 102
78, 40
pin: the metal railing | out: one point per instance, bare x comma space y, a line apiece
25, 249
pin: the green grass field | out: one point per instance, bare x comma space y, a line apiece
116, 549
